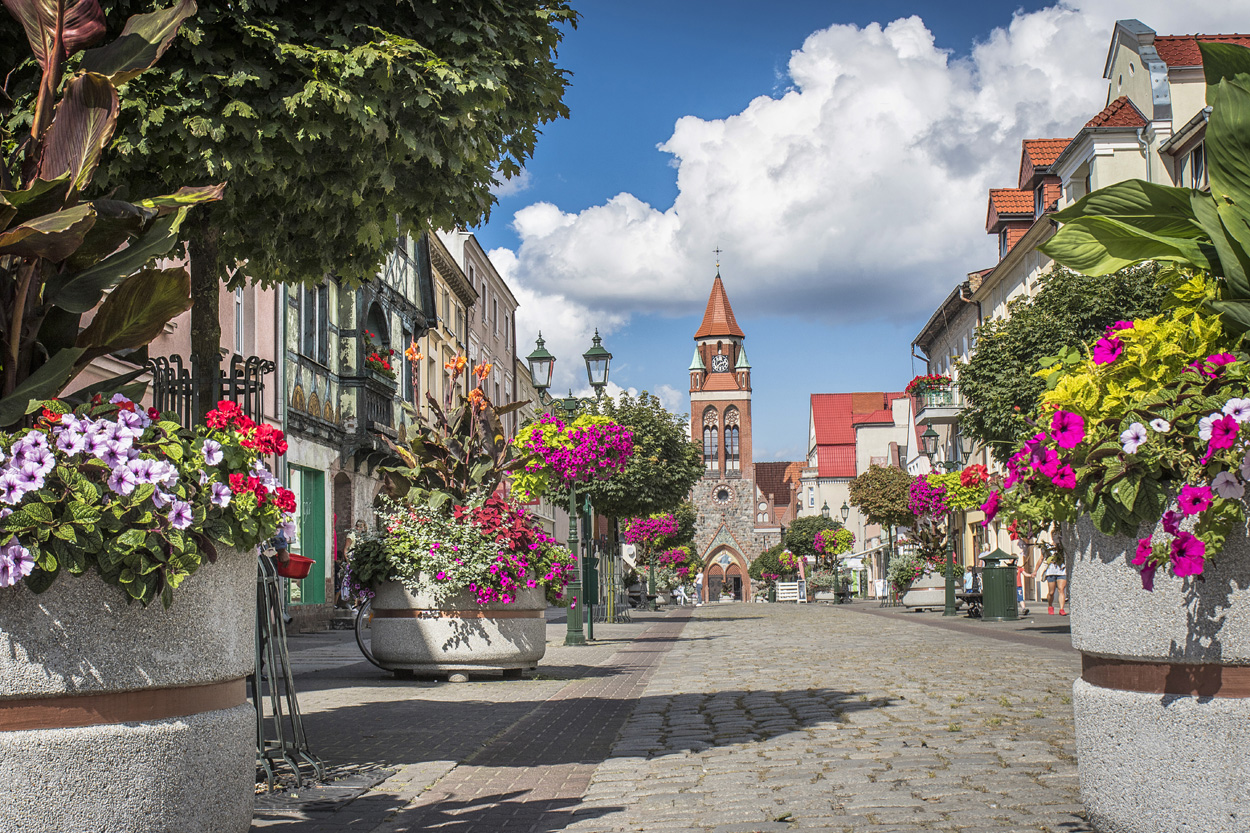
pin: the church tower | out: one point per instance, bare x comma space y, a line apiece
720, 422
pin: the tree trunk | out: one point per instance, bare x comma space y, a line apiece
205, 311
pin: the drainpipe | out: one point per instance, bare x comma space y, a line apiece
970, 301
922, 358
280, 394
1145, 149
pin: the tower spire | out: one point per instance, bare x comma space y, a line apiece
718, 318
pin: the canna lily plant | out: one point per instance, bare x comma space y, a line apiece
60, 253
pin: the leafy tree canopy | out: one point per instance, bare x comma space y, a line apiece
767, 562
881, 493
1069, 308
801, 533
663, 469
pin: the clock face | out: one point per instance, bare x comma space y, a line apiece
722, 495
720, 364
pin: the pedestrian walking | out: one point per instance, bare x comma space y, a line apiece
1057, 580
698, 588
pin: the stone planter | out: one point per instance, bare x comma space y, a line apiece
926, 591
116, 717
1163, 701
417, 633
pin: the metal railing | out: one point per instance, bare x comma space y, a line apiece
174, 386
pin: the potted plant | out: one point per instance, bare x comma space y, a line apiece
460, 572
1142, 447
109, 509
933, 498
932, 388
378, 360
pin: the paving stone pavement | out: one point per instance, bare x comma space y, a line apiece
747, 718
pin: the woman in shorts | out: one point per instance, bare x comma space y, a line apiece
1057, 577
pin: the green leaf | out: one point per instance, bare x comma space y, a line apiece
1227, 141
81, 292
83, 24
185, 196
80, 130
116, 222
1099, 246
140, 45
45, 383
137, 310
36, 199
114, 384
1159, 209
131, 540
53, 236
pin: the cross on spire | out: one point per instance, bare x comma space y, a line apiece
717, 250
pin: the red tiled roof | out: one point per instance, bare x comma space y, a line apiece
1043, 152
834, 416
718, 318
721, 381
1119, 113
776, 479
1011, 201
1182, 50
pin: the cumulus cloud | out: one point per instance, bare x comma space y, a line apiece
859, 192
509, 187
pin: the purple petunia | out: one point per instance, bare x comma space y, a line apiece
1133, 438
11, 488
1171, 522
16, 562
71, 442
123, 481
212, 452
180, 516
1107, 350
220, 494
1144, 549
1188, 555
1226, 485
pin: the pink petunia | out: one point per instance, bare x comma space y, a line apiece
1148, 577
1067, 428
990, 508
1171, 522
1107, 350
1119, 325
1144, 550
1065, 478
1188, 555
1194, 499
1224, 432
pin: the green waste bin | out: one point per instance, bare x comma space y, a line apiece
998, 587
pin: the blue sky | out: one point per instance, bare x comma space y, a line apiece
848, 200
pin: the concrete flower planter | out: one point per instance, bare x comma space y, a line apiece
116, 717
926, 591
418, 633
1163, 701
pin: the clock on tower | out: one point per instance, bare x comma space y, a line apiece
720, 363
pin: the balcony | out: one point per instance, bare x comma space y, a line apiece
940, 407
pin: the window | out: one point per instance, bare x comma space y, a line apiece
711, 445
731, 439
1002, 244
494, 315
483, 300
446, 310
314, 341
811, 495
1197, 164
1039, 200
405, 370
507, 329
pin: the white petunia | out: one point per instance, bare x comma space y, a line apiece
1238, 409
1161, 425
1133, 438
1204, 425
1226, 485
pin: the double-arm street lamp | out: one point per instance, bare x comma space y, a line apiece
837, 572
542, 363
962, 452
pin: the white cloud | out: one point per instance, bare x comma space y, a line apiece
674, 400
511, 187
858, 193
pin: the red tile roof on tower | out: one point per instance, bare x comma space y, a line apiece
1182, 50
718, 319
834, 416
1119, 113
1011, 201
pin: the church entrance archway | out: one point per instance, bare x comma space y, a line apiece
726, 574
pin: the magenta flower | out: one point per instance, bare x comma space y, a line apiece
1067, 428
1194, 499
1171, 522
1224, 432
1119, 325
1144, 550
1065, 478
1188, 555
1107, 350
1148, 577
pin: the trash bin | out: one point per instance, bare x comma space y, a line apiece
998, 587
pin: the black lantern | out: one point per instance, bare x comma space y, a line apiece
824, 510
929, 442
597, 360
846, 511
541, 364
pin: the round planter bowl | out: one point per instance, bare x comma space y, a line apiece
117, 717
422, 634
1163, 701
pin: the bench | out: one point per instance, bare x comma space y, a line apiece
972, 598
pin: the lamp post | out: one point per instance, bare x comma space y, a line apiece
541, 364
837, 587
837, 566
928, 447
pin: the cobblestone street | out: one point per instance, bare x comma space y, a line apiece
729, 718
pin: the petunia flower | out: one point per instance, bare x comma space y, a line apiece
1065, 478
1226, 485
1171, 522
1194, 499
1067, 428
1204, 424
1119, 325
212, 452
220, 494
180, 516
1144, 549
1188, 555
1133, 438
1238, 409
1148, 577
1161, 425
1107, 350
122, 480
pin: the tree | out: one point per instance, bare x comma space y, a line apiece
664, 467
329, 120
881, 493
769, 561
801, 533
1069, 308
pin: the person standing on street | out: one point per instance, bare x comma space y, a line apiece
1057, 577
698, 588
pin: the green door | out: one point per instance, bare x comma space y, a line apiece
310, 540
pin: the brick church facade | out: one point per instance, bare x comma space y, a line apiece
737, 519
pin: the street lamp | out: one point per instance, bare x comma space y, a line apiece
846, 511
929, 443
928, 447
824, 510
541, 364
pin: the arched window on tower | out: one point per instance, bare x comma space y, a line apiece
711, 444
732, 458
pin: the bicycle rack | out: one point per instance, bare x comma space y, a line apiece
288, 743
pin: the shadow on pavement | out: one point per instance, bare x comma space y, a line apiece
501, 811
